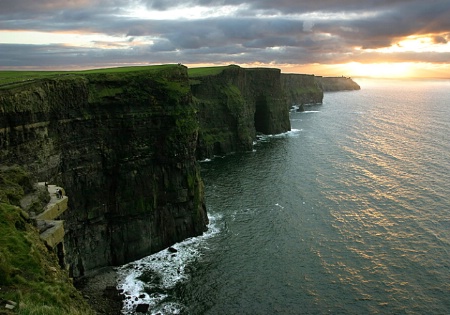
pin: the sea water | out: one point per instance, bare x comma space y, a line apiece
349, 213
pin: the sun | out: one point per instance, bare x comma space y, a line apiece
381, 70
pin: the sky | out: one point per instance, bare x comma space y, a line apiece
357, 38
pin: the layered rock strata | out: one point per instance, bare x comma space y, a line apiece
234, 105
123, 145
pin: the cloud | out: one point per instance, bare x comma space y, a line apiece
440, 40
285, 32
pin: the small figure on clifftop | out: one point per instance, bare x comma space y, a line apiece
58, 193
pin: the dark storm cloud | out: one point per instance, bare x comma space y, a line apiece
322, 31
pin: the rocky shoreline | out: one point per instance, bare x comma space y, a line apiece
100, 291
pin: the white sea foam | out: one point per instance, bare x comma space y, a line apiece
150, 279
291, 133
310, 111
295, 108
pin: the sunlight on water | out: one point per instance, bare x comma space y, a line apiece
391, 200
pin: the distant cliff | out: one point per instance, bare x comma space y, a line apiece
123, 146
234, 104
302, 89
333, 84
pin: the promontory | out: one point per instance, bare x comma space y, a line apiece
124, 144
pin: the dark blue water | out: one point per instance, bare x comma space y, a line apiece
349, 213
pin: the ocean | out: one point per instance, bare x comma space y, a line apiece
348, 213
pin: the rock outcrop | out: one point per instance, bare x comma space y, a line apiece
334, 84
123, 145
51, 229
234, 104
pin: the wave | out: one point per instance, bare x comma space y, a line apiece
291, 133
151, 279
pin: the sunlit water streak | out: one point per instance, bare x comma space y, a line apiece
347, 214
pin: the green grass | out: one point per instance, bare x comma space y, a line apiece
14, 77
13, 184
11, 77
203, 71
29, 272
127, 69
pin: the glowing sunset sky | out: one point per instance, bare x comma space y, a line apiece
395, 38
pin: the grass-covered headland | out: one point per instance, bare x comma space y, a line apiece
16, 77
29, 272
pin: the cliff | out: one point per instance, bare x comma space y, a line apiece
122, 143
234, 104
333, 84
302, 89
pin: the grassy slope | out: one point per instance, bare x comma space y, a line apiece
11, 77
203, 71
29, 273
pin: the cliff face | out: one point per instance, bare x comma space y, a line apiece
123, 145
302, 89
235, 104
333, 84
